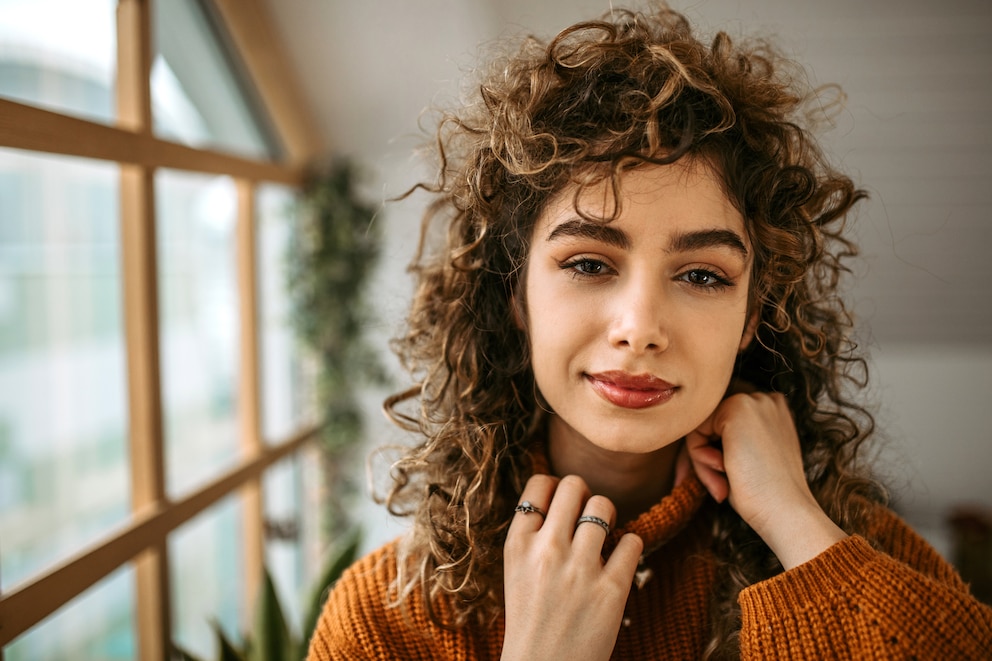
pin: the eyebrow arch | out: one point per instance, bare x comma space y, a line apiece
714, 238
684, 242
589, 230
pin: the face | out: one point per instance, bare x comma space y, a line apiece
635, 324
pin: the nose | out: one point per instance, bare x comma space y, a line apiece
639, 319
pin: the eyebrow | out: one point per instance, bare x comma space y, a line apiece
589, 230
714, 238
683, 242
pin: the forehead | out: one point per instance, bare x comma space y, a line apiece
682, 196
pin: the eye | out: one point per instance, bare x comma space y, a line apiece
705, 279
589, 267
584, 266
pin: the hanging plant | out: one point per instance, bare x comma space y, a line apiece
333, 251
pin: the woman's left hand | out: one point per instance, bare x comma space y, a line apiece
758, 465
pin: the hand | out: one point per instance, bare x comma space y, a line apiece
563, 601
758, 465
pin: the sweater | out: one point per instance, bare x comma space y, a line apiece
853, 601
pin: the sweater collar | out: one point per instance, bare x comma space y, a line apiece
658, 525
666, 519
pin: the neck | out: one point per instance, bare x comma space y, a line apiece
634, 482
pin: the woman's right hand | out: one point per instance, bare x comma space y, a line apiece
563, 601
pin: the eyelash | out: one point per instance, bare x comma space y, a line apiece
572, 265
717, 282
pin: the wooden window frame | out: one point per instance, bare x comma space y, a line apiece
131, 144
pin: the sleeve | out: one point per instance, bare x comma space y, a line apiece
360, 623
855, 602
356, 624
340, 634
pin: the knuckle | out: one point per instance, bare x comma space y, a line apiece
541, 481
600, 505
573, 483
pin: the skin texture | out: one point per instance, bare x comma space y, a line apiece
641, 300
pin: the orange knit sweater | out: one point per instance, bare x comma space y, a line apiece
850, 602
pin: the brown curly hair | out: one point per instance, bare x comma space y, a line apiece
602, 97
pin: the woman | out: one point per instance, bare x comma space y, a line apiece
633, 382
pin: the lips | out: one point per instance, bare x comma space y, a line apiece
631, 391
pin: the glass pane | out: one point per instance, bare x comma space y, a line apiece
287, 379
60, 54
197, 98
283, 504
97, 626
295, 548
198, 308
63, 411
206, 574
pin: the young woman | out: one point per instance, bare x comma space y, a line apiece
634, 385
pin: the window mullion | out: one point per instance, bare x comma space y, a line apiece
249, 387
141, 326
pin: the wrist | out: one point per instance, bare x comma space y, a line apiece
800, 533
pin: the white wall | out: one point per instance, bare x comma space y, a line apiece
935, 437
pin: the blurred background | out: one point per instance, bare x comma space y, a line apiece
914, 132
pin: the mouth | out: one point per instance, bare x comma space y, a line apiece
631, 391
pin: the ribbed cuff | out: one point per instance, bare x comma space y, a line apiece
809, 583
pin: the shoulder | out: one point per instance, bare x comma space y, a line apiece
359, 611
367, 616
887, 532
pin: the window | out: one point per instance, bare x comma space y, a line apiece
155, 406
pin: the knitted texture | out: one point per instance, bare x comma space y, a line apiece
850, 602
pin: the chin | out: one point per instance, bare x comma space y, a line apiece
627, 444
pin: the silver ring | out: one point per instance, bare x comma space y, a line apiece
526, 508
588, 518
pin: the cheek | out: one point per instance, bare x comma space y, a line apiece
717, 342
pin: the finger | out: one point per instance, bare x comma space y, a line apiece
716, 483
592, 528
707, 462
701, 450
708, 456
570, 497
683, 465
623, 561
537, 494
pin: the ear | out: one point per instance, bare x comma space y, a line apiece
749, 330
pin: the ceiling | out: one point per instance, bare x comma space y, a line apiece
915, 131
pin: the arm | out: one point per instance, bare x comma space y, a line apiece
839, 597
337, 636
356, 623
759, 467
854, 602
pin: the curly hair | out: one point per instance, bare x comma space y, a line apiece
598, 99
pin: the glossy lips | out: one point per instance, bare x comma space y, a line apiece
631, 391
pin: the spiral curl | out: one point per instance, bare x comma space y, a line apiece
600, 98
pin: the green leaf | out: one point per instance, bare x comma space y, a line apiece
272, 640
341, 557
182, 654
227, 650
